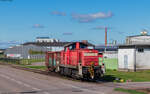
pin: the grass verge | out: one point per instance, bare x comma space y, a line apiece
21, 61
141, 76
30, 61
129, 91
36, 67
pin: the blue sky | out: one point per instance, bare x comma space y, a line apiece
72, 20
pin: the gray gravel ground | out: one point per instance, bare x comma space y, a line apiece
15, 81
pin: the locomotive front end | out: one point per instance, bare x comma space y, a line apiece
91, 68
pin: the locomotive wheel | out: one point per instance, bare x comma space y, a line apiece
61, 71
67, 71
98, 74
74, 73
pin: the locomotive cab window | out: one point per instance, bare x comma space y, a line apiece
141, 50
82, 46
72, 47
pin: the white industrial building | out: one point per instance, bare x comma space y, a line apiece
135, 54
144, 38
134, 57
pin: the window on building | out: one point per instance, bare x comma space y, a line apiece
140, 50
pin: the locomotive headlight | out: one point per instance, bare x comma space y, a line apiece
90, 54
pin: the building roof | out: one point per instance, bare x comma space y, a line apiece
46, 43
102, 48
52, 43
2, 49
42, 38
138, 35
134, 46
109, 46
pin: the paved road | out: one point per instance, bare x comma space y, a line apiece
15, 81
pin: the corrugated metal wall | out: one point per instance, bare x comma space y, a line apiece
110, 63
23, 51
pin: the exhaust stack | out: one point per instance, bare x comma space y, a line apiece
105, 36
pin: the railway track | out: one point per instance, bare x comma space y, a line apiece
45, 72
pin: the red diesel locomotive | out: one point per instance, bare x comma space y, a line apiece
76, 60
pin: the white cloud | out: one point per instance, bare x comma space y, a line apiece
91, 17
58, 13
68, 33
38, 26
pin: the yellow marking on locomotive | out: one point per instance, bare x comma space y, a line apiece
91, 70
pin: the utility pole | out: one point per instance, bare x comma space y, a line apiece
105, 39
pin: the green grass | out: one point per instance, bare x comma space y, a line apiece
1, 55
36, 67
20, 61
9, 61
30, 61
141, 76
129, 91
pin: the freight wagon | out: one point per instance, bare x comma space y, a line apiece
76, 60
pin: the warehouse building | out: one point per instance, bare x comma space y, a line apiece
134, 55
2, 51
35, 49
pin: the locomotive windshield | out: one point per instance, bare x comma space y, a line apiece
82, 46
73, 46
